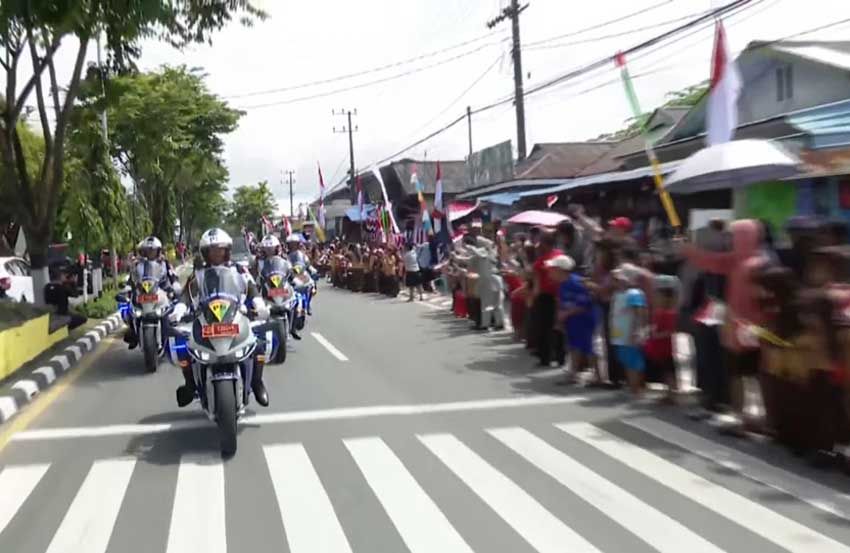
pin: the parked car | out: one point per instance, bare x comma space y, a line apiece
20, 278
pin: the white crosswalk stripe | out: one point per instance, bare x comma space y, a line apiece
16, 484
199, 497
308, 516
576, 507
88, 523
770, 525
422, 525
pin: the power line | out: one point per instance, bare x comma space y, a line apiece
363, 72
369, 83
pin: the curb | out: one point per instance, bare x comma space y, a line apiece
20, 393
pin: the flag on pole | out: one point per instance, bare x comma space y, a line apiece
387, 203
287, 227
438, 201
666, 201
320, 232
724, 90
551, 200
361, 207
321, 199
423, 205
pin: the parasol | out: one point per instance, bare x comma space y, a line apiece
539, 218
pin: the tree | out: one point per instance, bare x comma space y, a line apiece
39, 28
249, 205
686, 97
165, 130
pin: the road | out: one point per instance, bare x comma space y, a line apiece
394, 428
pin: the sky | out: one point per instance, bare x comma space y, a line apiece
320, 40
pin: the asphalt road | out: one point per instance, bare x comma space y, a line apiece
393, 428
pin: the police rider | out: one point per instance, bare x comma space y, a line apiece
215, 247
149, 250
269, 247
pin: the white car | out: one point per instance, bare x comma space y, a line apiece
18, 272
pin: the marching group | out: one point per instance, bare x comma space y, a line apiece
610, 302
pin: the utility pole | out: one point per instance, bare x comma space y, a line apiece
350, 129
512, 12
291, 201
469, 159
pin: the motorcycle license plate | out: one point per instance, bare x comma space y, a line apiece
220, 330
278, 293
148, 298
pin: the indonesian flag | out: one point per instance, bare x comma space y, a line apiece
267, 225
551, 200
722, 118
438, 200
287, 226
321, 197
360, 205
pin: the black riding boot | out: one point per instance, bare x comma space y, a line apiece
257, 386
186, 392
130, 337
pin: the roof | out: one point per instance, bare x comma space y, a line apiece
615, 176
610, 160
832, 53
560, 160
660, 124
828, 125
509, 186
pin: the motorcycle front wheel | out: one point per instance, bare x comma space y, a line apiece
150, 348
225, 414
281, 331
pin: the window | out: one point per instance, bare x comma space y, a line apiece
784, 82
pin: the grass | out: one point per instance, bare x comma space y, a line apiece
100, 308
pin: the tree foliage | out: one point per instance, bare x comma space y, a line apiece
249, 205
686, 97
39, 28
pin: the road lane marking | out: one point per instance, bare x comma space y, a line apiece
538, 526
197, 518
89, 521
16, 484
329, 346
623, 508
306, 511
772, 526
43, 401
296, 417
808, 491
421, 524
429, 306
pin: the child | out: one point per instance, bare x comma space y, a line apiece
628, 325
577, 314
659, 346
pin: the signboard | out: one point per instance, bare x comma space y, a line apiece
491, 165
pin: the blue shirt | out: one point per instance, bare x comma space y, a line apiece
623, 317
574, 294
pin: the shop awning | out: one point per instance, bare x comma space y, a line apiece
504, 198
828, 125
601, 178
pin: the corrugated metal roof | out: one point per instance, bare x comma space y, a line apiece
561, 159
828, 125
615, 176
509, 186
821, 53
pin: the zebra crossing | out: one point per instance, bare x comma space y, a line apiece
573, 498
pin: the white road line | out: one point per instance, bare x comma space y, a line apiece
815, 494
62, 360
88, 523
27, 386
768, 524
329, 346
16, 484
308, 516
540, 528
47, 372
298, 416
197, 518
622, 507
421, 524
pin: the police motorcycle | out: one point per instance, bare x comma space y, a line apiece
274, 284
305, 289
223, 346
145, 305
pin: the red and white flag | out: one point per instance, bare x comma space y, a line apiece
321, 197
267, 225
287, 227
725, 87
551, 200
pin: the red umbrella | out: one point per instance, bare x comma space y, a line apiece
537, 218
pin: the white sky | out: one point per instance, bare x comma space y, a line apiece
308, 41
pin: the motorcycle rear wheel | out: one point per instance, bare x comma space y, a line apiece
225, 414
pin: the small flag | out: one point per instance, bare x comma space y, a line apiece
267, 225
551, 200
723, 93
321, 197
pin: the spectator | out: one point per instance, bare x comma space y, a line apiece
628, 325
659, 346
578, 313
412, 275
62, 285
544, 308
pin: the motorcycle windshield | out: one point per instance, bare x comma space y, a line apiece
219, 282
150, 274
275, 266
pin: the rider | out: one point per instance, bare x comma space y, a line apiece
149, 250
215, 247
299, 258
269, 247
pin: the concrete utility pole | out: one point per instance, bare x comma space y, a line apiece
512, 12
291, 201
350, 129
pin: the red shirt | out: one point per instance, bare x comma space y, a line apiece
547, 285
663, 322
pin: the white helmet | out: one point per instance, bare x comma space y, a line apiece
270, 241
149, 243
215, 237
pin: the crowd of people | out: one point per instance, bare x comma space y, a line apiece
597, 301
